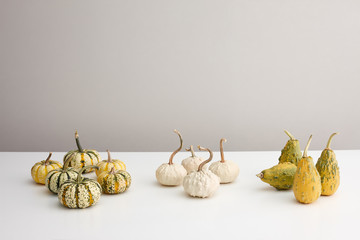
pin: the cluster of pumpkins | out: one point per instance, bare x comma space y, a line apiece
297, 171
74, 190
192, 174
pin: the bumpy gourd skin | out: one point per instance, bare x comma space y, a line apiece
328, 169
307, 183
291, 152
280, 176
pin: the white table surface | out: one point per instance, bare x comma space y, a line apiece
245, 209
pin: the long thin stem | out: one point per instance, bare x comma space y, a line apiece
82, 170
307, 147
222, 149
290, 135
191, 149
109, 156
206, 161
67, 162
177, 150
48, 159
78, 142
329, 141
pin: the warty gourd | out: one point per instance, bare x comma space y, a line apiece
291, 151
114, 181
191, 163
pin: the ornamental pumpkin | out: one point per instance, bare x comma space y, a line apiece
82, 157
280, 176
328, 169
201, 183
106, 165
227, 170
171, 174
114, 181
81, 192
291, 152
307, 183
55, 178
191, 163
41, 169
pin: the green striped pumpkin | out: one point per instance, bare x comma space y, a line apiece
80, 193
114, 182
82, 157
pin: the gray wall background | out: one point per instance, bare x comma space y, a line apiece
126, 73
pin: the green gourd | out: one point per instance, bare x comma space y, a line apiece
328, 169
280, 176
291, 152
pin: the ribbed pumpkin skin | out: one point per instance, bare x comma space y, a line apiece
79, 159
113, 183
291, 152
105, 166
307, 183
328, 169
79, 195
40, 170
57, 177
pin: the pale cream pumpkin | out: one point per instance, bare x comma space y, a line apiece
192, 163
41, 169
107, 165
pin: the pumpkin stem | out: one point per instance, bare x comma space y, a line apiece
222, 149
191, 149
307, 147
260, 175
48, 159
66, 163
112, 171
82, 170
177, 150
206, 161
290, 135
78, 142
109, 156
329, 141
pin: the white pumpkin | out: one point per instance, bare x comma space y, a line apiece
227, 170
171, 174
191, 163
201, 183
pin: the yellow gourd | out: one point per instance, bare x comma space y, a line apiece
307, 183
107, 165
41, 169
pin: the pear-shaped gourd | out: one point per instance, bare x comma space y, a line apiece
307, 183
226, 170
328, 169
291, 152
280, 176
41, 169
191, 163
82, 157
201, 183
107, 165
171, 174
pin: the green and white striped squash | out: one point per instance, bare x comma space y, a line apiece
57, 177
80, 193
113, 182
107, 165
40, 170
82, 157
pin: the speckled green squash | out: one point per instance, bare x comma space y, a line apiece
280, 176
80, 193
328, 169
114, 182
291, 152
82, 157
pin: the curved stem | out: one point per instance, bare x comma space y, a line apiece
48, 159
290, 135
307, 147
222, 149
191, 149
329, 141
109, 156
66, 163
206, 161
78, 142
83, 169
177, 150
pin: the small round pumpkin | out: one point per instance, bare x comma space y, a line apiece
82, 157
201, 183
171, 174
41, 169
114, 181
106, 165
55, 178
191, 163
81, 192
